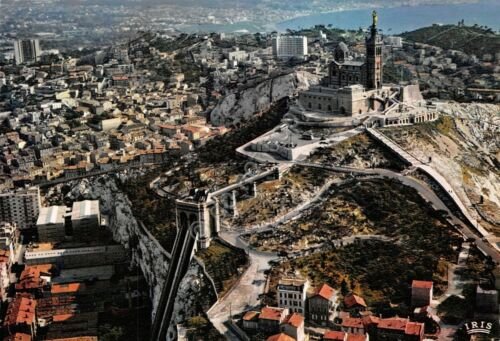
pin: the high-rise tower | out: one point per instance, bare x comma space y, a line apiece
27, 51
374, 62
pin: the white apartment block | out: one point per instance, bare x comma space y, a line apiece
292, 294
85, 218
20, 207
27, 51
286, 47
51, 224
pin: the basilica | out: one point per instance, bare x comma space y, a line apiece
354, 87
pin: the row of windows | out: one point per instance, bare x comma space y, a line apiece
295, 296
316, 97
350, 78
290, 303
329, 108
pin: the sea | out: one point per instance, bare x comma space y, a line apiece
407, 18
392, 20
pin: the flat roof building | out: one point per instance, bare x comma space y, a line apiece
27, 51
51, 224
85, 219
292, 294
20, 207
78, 257
287, 47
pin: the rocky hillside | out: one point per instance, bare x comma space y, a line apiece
239, 106
469, 39
465, 147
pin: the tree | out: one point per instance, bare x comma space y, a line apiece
197, 322
344, 287
111, 333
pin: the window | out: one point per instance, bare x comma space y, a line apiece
319, 106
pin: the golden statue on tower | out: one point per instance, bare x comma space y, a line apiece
375, 18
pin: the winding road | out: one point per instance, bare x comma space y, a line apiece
245, 294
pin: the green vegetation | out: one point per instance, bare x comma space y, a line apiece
223, 264
379, 270
476, 40
157, 215
226, 144
182, 41
132, 325
200, 328
456, 309
332, 33
110, 333
395, 73
277, 197
219, 154
360, 151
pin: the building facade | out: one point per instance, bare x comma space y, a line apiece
292, 294
78, 257
421, 293
321, 305
51, 224
343, 71
287, 47
27, 51
20, 207
85, 219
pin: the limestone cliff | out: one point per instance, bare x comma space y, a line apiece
239, 106
196, 291
464, 147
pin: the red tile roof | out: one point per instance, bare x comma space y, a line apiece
18, 337
30, 277
353, 300
295, 320
370, 319
333, 335
20, 311
355, 337
62, 317
325, 291
421, 284
251, 315
67, 288
394, 323
271, 313
280, 337
352, 322
414, 328
78, 338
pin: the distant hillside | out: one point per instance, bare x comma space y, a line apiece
469, 39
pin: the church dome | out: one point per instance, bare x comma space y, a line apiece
343, 47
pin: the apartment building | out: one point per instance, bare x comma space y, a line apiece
292, 294
20, 207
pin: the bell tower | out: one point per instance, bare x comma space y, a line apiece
374, 60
